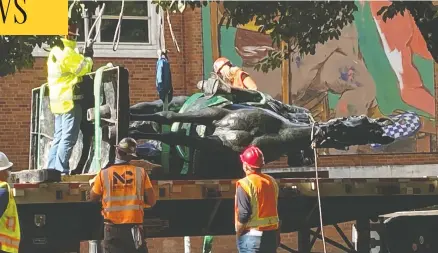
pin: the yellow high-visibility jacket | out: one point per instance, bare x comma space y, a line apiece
65, 70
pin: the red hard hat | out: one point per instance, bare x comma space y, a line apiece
253, 156
73, 30
219, 63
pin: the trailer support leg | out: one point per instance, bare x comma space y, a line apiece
304, 240
95, 246
363, 235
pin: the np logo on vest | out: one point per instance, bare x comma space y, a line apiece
124, 179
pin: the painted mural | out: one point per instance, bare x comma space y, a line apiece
375, 68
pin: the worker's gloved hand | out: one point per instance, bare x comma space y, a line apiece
89, 52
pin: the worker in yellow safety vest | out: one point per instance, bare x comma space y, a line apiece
256, 215
9, 223
66, 68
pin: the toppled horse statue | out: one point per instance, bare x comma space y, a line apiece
276, 128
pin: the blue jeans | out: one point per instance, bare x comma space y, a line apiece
67, 127
266, 243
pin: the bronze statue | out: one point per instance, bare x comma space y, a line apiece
254, 118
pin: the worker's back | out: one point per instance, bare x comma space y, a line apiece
123, 187
263, 192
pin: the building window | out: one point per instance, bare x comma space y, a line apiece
139, 33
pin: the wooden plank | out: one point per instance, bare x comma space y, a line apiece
285, 73
214, 24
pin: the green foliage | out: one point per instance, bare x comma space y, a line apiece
304, 24
16, 51
300, 25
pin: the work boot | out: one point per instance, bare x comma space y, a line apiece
213, 86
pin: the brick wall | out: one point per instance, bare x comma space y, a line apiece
15, 104
15, 90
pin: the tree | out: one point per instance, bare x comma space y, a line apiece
301, 25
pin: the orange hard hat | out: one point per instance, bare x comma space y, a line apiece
253, 156
219, 63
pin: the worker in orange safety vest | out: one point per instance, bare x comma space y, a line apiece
233, 75
256, 215
124, 190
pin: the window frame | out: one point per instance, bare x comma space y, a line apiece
124, 49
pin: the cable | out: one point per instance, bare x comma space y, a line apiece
313, 145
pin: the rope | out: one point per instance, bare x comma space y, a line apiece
98, 18
313, 145
70, 8
116, 39
171, 32
90, 41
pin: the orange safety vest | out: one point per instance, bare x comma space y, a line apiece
238, 79
123, 194
262, 190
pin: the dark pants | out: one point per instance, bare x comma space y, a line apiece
118, 239
266, 243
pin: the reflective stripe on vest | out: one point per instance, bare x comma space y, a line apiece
255, 219
108, 198
66, 97
9, 225
81, 66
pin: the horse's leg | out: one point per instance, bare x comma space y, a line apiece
157, 106
204, 116
147, 107
209, 143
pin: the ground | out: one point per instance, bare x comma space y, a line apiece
226, 244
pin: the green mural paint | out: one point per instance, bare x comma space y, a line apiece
425, 67
388, 93
228, 48
206, 42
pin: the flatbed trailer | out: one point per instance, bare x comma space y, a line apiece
55, 217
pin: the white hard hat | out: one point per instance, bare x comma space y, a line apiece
4, 162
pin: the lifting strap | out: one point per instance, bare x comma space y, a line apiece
89, 41
116, 38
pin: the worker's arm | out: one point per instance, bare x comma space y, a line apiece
76, 63
4, 200
149, 194
243, 210
96, 188
248, 81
